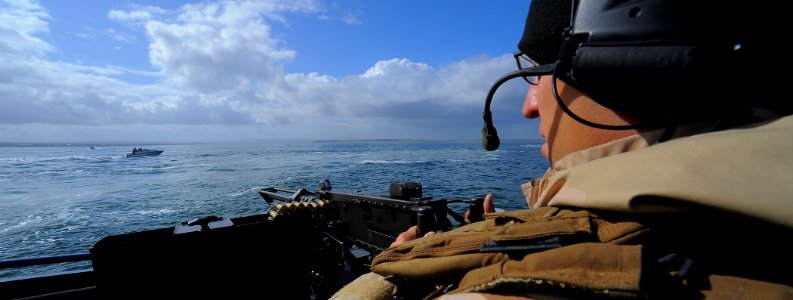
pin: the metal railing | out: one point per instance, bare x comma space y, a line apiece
24, 262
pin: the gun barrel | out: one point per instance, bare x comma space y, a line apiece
270, 194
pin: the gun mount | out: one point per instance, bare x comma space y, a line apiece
358, 225
372, 221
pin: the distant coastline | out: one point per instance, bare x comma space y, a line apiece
84, 144
377, 140
413, 140
138, 143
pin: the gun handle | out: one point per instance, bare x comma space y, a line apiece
425, 220
476, 209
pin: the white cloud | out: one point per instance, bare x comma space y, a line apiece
395, 67
120, 36
87, 32
219, 64
20, 22
137, 15
216, 56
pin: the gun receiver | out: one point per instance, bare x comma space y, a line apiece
356, 226
372, 221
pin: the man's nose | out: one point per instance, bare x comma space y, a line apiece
530, 107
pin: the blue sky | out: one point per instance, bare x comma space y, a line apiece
183, 71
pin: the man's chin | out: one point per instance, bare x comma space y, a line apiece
544, 150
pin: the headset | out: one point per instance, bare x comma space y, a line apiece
637, 55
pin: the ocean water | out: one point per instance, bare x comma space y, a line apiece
62, 200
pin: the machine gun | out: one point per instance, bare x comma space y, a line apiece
356, 226
307, 245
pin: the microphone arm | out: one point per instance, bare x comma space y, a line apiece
490, 140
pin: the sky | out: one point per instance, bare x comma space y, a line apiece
246, 71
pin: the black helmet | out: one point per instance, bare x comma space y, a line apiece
668, 61
644, 55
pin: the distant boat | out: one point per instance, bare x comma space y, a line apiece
145, 152
92, 147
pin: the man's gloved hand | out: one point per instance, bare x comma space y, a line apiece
412, 232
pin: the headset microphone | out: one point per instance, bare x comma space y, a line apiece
490, 140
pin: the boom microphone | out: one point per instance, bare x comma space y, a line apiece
490, 140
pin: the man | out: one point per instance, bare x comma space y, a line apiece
667, 181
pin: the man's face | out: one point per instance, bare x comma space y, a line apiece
564, 135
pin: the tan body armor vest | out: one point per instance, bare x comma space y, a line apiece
707, 216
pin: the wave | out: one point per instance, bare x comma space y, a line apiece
185, 166
156, 212
530, 146
222, 170
24, 223
244, 193
386, 162
60, 158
